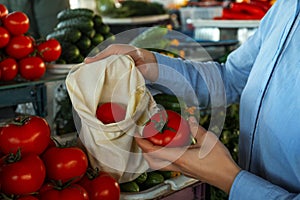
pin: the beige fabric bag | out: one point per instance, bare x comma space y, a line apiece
111, 147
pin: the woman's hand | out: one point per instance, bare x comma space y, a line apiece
144, 59
208, 160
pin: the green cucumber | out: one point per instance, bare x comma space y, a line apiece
166, 97
74, 13
84, 43
153, 179
129, 187
102, 28
141, 178
67, 34
97, 19
81, 23
169, 174
69, 52
97, 39
91, 33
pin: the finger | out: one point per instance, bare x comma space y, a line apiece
196, 130
158, 164
103, 54
158, 152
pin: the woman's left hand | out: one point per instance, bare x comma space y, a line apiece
208, 160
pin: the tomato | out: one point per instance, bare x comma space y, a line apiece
101, 186
3, 11
30, 134
17, 22
110, 112
32, 68
72, 192
49, 50
66, 163
28, 197
9, 69
167, 128
4, 37
23, 176
19, 46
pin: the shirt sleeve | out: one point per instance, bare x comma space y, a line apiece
248, 186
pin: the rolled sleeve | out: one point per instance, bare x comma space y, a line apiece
248, 186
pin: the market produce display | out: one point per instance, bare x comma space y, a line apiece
22, 56
35, 166
252, 10
79, 31
130, 8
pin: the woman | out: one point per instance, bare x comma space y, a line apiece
262, 75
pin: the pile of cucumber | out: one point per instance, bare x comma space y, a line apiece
79, 31
147, 180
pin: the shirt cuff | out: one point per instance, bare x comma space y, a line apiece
249, 186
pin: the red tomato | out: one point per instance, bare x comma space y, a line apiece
9, 69
32, 68
23, 176
50, 50
29, 197
19, 46
4, 37
102, 186
3, 11
17, 22
72, 192
110, 112
30, 134
167, 128
65, 164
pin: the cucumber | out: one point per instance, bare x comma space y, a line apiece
97, 39
67, 34
91, 33
97, 19
81, 23
129, 187
69, 52
84, 43
74, 13
141, 178
78, 59
155, 33
102, 28
166, 97
153, 179
169, 174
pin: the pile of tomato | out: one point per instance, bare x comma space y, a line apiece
34, 166
20, 53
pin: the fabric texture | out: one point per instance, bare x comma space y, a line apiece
111, 147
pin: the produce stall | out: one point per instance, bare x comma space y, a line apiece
78, 33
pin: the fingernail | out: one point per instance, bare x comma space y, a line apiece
192, 119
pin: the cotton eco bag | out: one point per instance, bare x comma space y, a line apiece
111, 147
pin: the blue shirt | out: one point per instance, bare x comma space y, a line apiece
263, 75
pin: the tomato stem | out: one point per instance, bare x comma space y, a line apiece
6, 197
92, 173
12, 158
21, 120
161, 125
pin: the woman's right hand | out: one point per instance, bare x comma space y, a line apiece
144, 59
